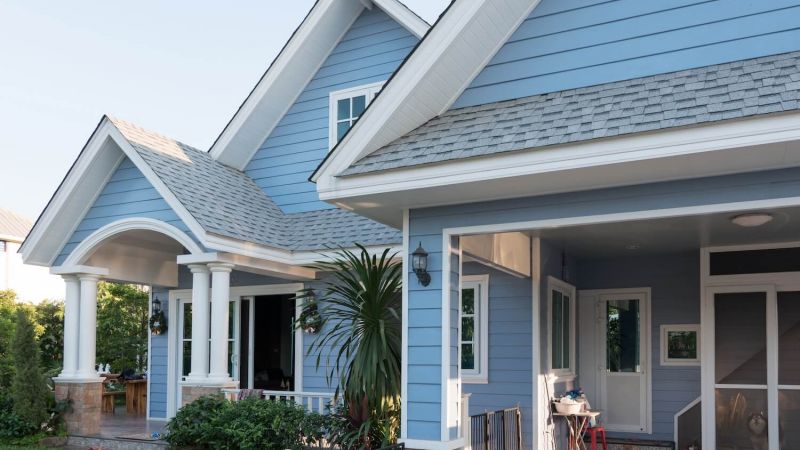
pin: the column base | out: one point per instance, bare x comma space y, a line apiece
191, 392
83, 419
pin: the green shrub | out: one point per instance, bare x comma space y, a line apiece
12, 426
29, 390
213, 423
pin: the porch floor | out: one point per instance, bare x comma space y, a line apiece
120, 424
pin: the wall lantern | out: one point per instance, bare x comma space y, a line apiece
419, 263
157, 322
156, 305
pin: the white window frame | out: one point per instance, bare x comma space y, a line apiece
665, 359
479, 375
554, 284
368, 90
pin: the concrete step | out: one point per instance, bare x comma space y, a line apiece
106, 443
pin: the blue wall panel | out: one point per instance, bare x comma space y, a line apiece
157, 372
369, 52
566, 44
127, 194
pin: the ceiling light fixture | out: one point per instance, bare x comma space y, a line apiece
751, 220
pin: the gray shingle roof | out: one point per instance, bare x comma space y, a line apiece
720, 92
13, 225
227, 202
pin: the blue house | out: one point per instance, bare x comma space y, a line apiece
223, 237
608, 193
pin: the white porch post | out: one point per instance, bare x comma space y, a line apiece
88, 326
200, 321
220, 298
71, 326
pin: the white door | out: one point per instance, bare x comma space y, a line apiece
184, 357
623, 378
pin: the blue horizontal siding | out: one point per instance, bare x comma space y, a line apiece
566, 44
369, 52
159, 362
127, 194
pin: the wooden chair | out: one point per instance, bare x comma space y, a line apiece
109, 399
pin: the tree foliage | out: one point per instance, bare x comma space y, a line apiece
7, 319
360, 308
50, 318
122, 326
29, 390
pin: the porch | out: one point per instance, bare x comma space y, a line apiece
678, 324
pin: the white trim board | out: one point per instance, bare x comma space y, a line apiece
290, 72
481, 284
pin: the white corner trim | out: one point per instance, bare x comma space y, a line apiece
656, 146
404, 16
404, 335
88, 245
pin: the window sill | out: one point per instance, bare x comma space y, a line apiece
562, 377
474, 379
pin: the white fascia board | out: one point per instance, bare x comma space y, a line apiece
404, 16
432, 78
658, 156
73, 198
284, 81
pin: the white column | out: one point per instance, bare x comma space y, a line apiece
220, 297
71, 325
88, 326
200, 320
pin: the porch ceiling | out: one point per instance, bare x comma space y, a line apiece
675, 234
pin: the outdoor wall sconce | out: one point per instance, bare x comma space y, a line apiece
419, 262
156, 305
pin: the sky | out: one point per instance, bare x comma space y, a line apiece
180, 68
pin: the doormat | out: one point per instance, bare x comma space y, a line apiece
637, 444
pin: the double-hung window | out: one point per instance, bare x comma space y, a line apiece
561, 328
474, 329
346, 106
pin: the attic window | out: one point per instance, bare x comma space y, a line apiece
346, 106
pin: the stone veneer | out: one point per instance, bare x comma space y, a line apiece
190, 392
83, 419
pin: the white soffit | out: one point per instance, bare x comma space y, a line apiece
432, 78
291, 71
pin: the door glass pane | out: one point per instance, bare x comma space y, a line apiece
187, 320
789, 338
740, 321
557, 338
231, 321
789, 410
622, 335
187, 357
741, 418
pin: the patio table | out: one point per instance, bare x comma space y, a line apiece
578, 424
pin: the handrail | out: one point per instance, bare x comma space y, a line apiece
311, 401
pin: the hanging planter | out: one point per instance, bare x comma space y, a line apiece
158, 323
310, 321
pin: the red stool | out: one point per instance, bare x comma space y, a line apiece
593, 432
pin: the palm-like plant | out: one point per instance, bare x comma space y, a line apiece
360, 340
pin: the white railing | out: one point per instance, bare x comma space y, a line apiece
312, 401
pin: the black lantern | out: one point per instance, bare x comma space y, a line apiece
419, 263
156, 305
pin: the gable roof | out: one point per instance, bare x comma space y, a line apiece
691, 97
13, 227
219, 204
293, 68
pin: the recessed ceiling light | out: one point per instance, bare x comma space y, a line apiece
752, 219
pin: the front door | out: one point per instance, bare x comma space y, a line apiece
617, 347
755, 342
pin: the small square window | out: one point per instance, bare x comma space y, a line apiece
346, 107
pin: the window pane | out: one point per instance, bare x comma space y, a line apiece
341, 129
622, 336
740, 321
468, 329
231, 319
343, 109
557, 338
565, 358
740, 417
359, 104
187, 357
789, 338
187, 320
231, 358
467, 357
468, 301
789, 409
755, 261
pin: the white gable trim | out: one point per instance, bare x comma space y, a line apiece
468, 35
291, 71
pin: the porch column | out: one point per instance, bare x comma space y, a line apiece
71, 326
200, 321
88, 326
220, 298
